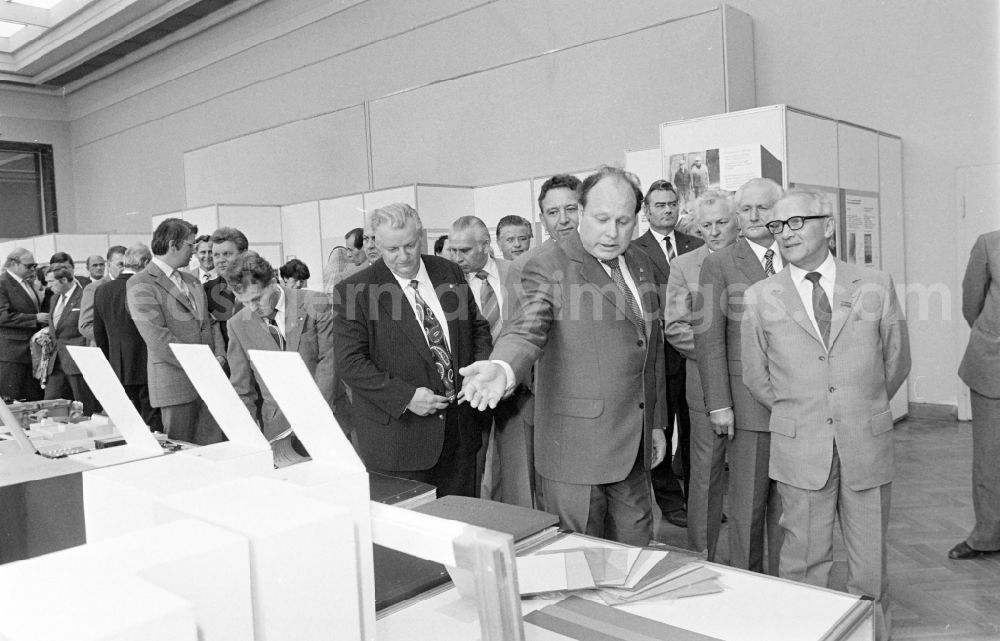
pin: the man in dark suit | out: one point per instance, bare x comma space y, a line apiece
168, 305
733, 413
402, 329
662, 243
21, 315
227, 244
590, 325
276, 318
116, 335
64, 377
62, 258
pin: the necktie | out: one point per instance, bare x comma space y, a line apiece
821, 307
185, 292
60, 303
671, 254
435, 340
491, 307
769, 263
31, 292
633, 304
272, 327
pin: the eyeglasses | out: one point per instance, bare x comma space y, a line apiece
794, 223
188, 242
30, 265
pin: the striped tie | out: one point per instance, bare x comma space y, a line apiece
769, 262
490, 305
633, 304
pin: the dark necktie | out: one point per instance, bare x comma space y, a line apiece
272, 327
769, 262
671, 254
490, 305
435, 339
821, 307
633, 304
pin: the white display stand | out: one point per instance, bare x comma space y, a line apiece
200, 563
839, 158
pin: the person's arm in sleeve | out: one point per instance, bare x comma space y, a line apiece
756, 372
895, 340
976, 282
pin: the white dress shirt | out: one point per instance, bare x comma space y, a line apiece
279, 313
492, 277
760, 251
663, 246
827, 280
429, 296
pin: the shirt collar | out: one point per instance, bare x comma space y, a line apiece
422, 276
16, 277
827, 270
167, 270
659, 238
68, 293
760, 251
490, 268
279, 306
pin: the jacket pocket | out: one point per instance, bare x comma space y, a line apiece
783, 426
882, 422
578, 407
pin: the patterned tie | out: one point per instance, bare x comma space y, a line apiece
491, 307
272, 327
435, 339
769, 262
633, 304
671, 254
821, 307
185, 292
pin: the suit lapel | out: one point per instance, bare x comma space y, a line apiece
294, 316
648, 242
168, 285
593, 272
792, 303
746, 261
387, 288
643, 283
13, 285
844, 292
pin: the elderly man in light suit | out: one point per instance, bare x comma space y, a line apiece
590, 326
276, 318
825, 348
169, 305
715, 219
980, 370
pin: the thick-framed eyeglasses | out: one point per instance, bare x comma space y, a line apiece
794, 223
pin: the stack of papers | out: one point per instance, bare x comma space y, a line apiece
615, 574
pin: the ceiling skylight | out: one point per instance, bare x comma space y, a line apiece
7, 29
41, 4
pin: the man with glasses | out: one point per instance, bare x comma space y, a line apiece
662, 243
824, 348
21, 316
732, 412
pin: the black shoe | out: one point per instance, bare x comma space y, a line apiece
677, 517
963, 551
725, 519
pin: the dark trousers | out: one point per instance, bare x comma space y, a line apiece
191, 422
71, 386
455, 470
139, 395
670, 480
17, 383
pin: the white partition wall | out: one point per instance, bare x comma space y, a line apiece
439, 205
382, 197
860, 169
647, 165
337, 216
300, 238
493, 202
127, 240
536, 187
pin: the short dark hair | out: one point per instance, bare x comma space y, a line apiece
61, 257
61, 272
171, 232
355, 238
439, 244
658, 185
608, 171
514, 220
238, 238
204, 238
247, 269
559, 181
115, 249
294, 268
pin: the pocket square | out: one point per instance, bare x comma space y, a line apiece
75, 309
847, 303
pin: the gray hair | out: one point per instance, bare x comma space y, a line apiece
464, 223
710, 199
15, 256
136, 257
776, 190
395, 216
817, 202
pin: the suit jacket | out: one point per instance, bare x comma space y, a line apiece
87, 309
222, 304
17, 320
682, 303
599, 386
163, 315
818, 396
725, 277
116, 334
66, 332
661, 273
47, 297
980, 367
308, 331
382, 354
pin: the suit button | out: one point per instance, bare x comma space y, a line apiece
832, 389
441, 416
642, 405
829, 421
822, 358
638, 343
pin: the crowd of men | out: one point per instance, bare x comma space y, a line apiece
550, 376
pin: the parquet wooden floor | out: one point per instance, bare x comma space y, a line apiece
933, 597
